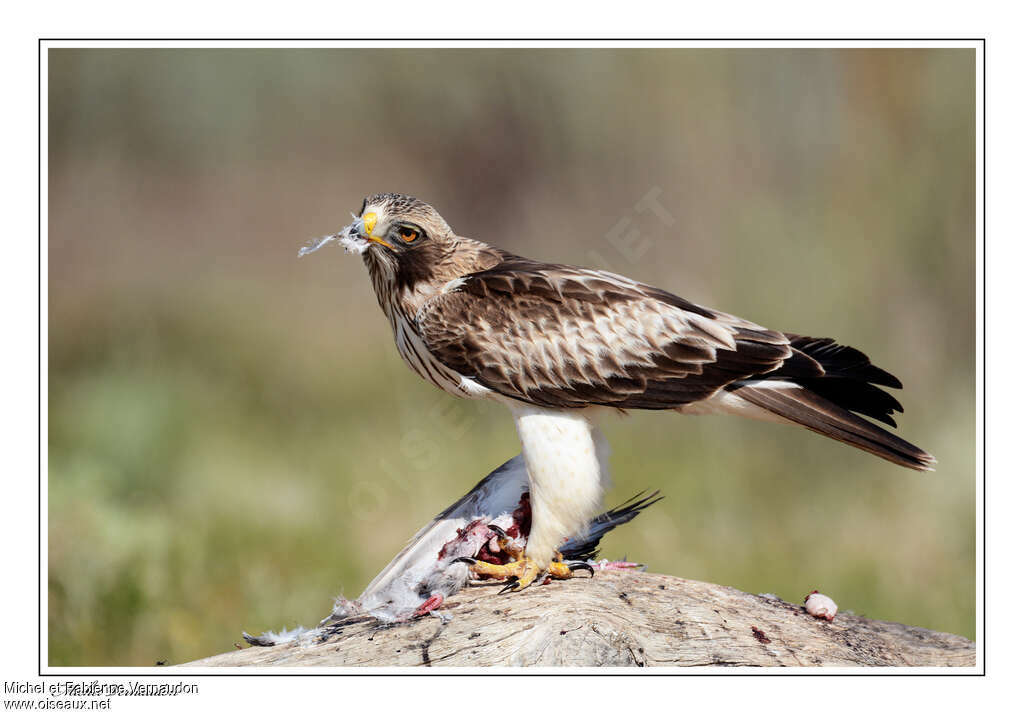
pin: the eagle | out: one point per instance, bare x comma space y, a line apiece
558, 345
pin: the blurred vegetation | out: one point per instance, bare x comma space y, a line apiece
233, 438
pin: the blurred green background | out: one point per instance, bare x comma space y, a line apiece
233, 438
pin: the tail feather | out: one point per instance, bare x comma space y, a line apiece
805, 407
822, 385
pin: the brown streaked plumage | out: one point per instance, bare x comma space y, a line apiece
551, 341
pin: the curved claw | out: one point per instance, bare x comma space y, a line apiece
581, 566
498, 530
510, 585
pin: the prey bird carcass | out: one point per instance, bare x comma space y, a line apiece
490, 523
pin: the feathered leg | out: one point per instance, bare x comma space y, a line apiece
565, 471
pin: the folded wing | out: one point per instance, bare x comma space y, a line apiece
564, 337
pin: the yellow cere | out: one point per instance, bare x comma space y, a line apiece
369, 221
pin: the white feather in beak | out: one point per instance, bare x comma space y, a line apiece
349, 238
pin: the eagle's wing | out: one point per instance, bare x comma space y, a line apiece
559, 336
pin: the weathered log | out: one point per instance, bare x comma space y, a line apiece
618, 619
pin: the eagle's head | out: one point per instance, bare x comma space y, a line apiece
409, 250
392, 226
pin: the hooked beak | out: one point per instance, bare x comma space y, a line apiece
369, 222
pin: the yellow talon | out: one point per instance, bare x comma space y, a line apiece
521, 573
559, 569
528, 571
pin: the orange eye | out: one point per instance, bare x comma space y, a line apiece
408, 234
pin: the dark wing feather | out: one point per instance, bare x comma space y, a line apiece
583, 546
849, 379
559, 336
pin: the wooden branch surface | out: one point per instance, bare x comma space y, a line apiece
619, 619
